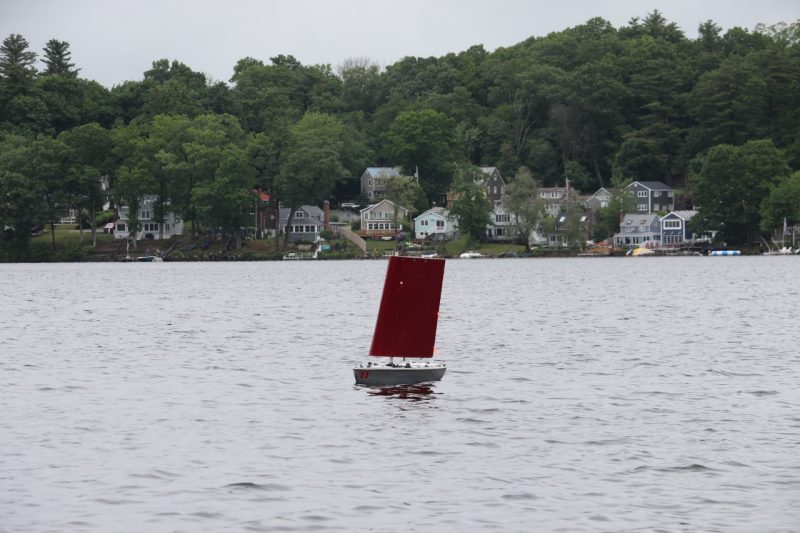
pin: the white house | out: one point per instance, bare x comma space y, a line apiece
502, 226
435, 224
149, 228
554, 199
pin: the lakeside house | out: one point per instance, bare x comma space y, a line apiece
554, 199
375, 179
502, 227
384, 219
638, 229
435, 224
493, 185
149, 227
675, 227
600, 198
651, 196
306, 225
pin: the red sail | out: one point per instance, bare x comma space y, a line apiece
406, 325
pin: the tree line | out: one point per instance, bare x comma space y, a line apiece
717, 117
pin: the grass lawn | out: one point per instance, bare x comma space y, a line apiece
66, 233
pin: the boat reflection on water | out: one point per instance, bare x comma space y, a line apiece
414, 393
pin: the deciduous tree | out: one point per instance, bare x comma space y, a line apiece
523, 203
471, 207
312, 164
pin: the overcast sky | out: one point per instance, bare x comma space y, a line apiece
117, 40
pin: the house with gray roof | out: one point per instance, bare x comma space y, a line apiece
148, 227
435, 224
493, 184
384, 219
600, 198
375, 179
306, 224
651, 196
674, 227
501, 227
638, 228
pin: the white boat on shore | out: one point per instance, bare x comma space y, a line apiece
471, 255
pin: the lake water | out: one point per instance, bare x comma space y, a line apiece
581, 394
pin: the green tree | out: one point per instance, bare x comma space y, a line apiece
728, 104
782, 203
22, 200
522, 201
91, 158
422, 142
312, 164
224, 201
731, 185
57, 59
17, 72
607, 218
209, 140
172, 88
471, 207
134, 170
406, 192
362, 87
48, 166
521, 97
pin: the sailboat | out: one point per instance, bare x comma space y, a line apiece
406, 325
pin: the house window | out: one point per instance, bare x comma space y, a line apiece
501, 218
672, 224
642, 207
440, 223
298, 214
120, 227
641, 194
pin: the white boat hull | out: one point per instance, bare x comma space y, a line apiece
387, 374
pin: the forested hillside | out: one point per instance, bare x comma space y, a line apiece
594, 104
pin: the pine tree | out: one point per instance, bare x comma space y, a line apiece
16, 66
56, 59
